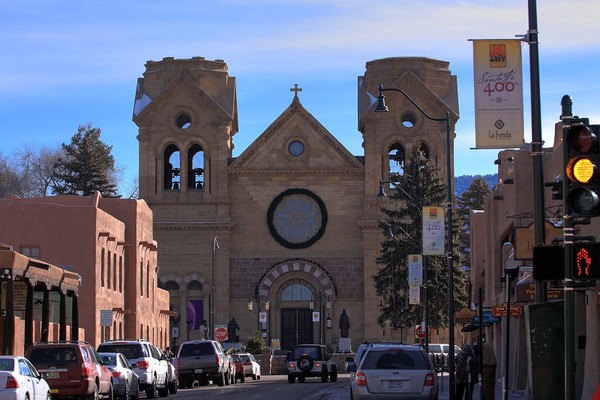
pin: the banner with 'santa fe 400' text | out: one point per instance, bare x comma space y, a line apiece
498, 93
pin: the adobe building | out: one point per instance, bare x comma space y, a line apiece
283, 237
109, 243
502, 238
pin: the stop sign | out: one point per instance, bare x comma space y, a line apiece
419, 332
221, 334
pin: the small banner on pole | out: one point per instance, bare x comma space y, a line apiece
498, 86
415, 270
433, 231
414, 295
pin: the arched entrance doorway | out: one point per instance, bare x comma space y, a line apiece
301, 295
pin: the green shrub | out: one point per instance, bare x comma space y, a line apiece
255, 344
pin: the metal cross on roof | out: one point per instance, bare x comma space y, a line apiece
295, 89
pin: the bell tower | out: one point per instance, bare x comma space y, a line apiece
187, 115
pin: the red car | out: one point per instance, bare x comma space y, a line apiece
72, 369
239, 368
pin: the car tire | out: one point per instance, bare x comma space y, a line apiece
135, 395
301, 379
305, 363
173, 387
126, 391
94, 395
291, 379
164, 391
324, 374
111, 393
220, 381
152, 390
243, 378
333, 374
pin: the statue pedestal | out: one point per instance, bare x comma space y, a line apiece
345, 345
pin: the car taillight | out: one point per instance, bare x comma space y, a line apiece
87, 370
318, 365
11, 382
143, 364
429, 380
218, 360
361, 379
292, 365
116, 374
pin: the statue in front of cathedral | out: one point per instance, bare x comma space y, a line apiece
344, 324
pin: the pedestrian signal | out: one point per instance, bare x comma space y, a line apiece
586, 261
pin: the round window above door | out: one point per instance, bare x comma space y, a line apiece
297, 218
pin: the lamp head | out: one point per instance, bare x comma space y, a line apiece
381, 107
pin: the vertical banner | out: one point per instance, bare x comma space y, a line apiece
415, 270
498, 93
433, 231
414, 295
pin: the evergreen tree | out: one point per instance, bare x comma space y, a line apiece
419, 186
86, 167
471, 199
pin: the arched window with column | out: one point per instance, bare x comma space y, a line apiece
195, 167
397, 158
172, 168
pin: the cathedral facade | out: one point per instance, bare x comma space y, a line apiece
283, 237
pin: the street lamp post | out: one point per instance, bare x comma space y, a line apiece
213, 284
381, 107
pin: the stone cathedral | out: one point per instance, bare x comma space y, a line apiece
283, 237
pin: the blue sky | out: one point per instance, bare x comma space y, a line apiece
67, 63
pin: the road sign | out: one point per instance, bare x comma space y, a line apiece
419, 332
221, 333
106, 317
501, 310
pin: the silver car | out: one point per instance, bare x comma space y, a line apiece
126, 383
395, 371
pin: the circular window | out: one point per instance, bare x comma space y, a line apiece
296, 148
297, 218
183, 121
408, 120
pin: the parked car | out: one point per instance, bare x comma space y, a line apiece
201, 360
146, 359
72, 369
396, 370
311, 360
251, 367
126, 383
239, 368
172, 375
20, 380
439, 351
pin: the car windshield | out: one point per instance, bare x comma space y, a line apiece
393, 359
311, 352
196, 349
129, 350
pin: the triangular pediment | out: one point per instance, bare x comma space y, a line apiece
321, 151
185, 92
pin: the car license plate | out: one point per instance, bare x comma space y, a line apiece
395, 384
52, 375
53, 391
198, 371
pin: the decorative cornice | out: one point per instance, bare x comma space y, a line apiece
193, 225
345, 171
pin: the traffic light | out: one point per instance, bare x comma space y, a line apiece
583, 168
586, 261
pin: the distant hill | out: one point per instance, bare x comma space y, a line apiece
462, 183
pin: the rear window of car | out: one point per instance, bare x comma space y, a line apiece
394, 359
196, 349
129, 350
7, 365
311, 352
436, 348
53, 355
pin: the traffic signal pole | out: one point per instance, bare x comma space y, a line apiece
568, 233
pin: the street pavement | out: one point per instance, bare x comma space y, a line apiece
512, 395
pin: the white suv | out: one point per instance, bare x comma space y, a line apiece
146, 362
